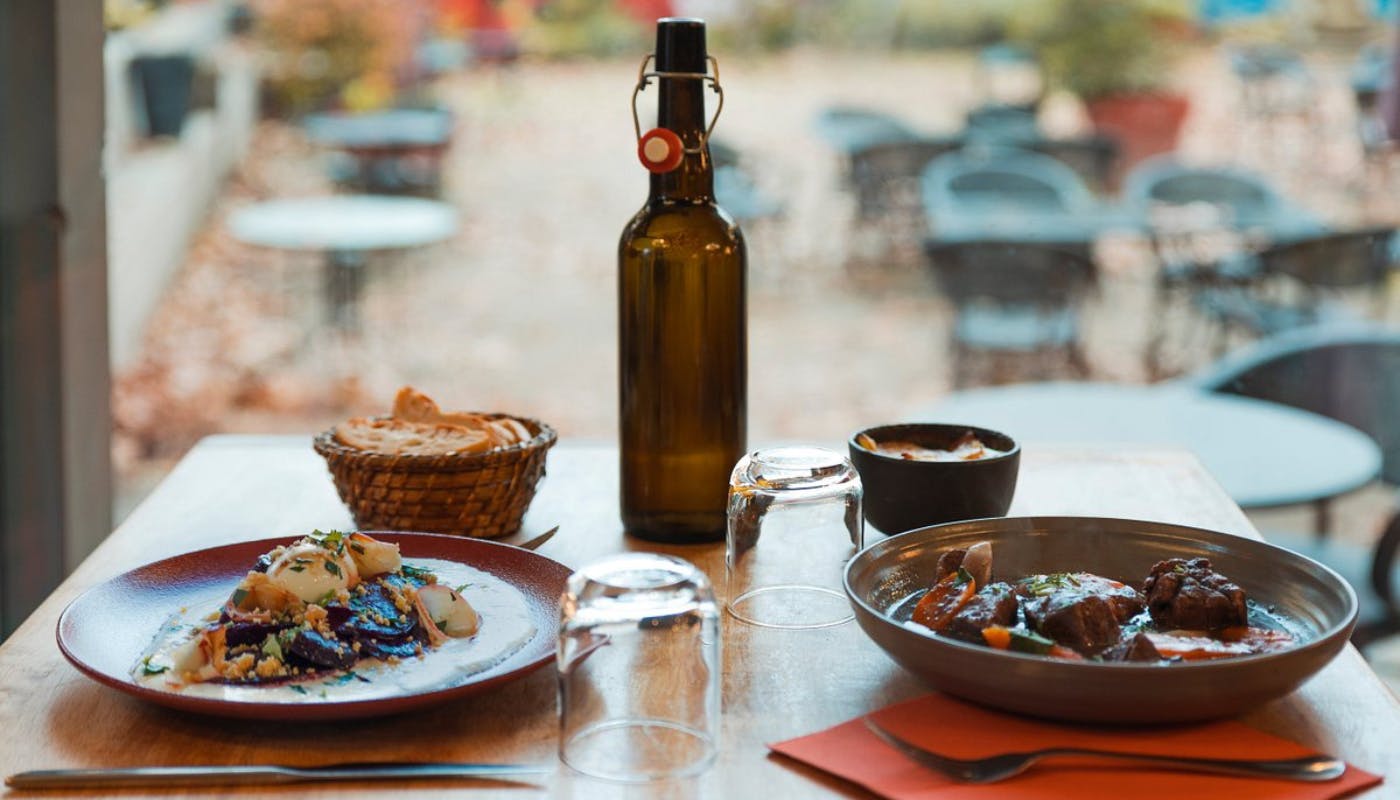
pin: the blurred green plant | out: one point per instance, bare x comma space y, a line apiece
583, 28
1098, 48
332, 52
956, 23
119, 14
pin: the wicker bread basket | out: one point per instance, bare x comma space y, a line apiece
482, 495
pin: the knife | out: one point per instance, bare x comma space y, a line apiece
266, 774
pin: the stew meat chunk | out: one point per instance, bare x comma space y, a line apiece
1190, 595
992, 605
1078, 610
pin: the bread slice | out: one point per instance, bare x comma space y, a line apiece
510, 431
402, 438
414, 406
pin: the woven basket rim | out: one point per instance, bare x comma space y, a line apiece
329, 446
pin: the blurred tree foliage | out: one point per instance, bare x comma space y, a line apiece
1096, 48
865, 24
572, 28
316, 50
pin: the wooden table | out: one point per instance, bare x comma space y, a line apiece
777, 684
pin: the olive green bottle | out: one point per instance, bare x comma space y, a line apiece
682, 349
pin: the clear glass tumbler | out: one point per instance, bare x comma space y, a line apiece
794, 521
639, 669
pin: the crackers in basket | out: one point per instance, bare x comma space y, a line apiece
419, 428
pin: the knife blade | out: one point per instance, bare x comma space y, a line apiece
224, 775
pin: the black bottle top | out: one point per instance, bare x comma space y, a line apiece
680, 45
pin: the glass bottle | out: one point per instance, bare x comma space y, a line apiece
682, 355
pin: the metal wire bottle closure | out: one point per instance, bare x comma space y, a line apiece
644, 79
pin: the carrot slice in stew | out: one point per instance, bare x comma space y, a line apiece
997, 636
947, 597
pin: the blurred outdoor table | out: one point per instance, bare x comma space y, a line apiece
392, 151
345, 229
1264, 454
777, 683
380, 130
1075, 229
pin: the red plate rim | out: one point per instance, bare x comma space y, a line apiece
104, 630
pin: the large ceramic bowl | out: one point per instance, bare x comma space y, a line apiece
1310, 596
903, 494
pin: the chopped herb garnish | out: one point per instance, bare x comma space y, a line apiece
298, 689
238, 596
272, 647
148, 668
357, 547
330, 540
411, 571
963, 577
333, 568
462, 587
297, 568
346, 677
1029, 642
326, 598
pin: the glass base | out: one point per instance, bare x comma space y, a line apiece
638, 750
792, 606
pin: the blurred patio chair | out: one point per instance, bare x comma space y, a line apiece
397, 151
849, 129
723, 154
986, 181
885, 177
1010, 75
1305, 282
1370, 76
1273, 78
1205, 224
1245, 200
1001, 124
1350, 373
737, 193
1275, 86
1094, 157
756, 211
1016, 299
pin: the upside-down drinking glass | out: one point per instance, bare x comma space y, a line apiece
794, 521
639, 669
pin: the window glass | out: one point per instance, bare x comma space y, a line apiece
938, 197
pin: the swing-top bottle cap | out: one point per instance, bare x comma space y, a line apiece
680, 45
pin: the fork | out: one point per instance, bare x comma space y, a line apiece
533, 544
1005, 765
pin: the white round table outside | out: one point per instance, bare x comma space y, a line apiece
345, 228
1264, 454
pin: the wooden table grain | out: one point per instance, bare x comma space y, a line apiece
777, 684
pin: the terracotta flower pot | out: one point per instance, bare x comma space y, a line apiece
1144, 124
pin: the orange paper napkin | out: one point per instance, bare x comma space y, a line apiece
957, 729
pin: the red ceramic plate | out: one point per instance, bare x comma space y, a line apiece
104, 631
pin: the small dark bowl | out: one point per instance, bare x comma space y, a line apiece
902, 494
